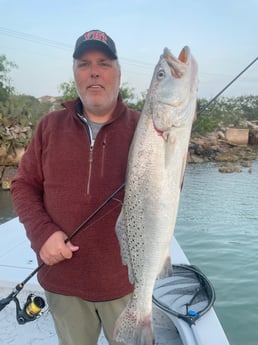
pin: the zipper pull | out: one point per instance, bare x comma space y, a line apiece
92, 144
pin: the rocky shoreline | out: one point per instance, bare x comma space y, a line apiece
229, 157
212, 147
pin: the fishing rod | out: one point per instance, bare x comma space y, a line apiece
230, 83
34, 304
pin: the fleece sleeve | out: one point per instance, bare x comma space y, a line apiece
28, 194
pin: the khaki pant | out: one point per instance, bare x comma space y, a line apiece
79, 322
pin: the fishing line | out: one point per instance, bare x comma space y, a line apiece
34, 304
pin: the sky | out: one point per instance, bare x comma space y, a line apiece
39, 36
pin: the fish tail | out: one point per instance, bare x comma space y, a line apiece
133, 329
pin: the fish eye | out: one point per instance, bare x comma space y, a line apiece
161, 74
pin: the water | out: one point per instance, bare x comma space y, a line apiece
6, 206
217, 227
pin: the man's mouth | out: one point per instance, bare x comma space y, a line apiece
95, 86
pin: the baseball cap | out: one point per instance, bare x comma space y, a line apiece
95, 39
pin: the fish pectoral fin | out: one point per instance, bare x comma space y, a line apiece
122, 239
170, 144
123, 243
169, 137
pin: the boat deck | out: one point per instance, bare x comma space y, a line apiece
17, 261
42, 332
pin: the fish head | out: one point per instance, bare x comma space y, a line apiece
173, 90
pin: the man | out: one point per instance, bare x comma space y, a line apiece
77, 158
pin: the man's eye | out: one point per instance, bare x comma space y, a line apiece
83, 64
104, 64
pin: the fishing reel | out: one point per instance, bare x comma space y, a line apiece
31, 309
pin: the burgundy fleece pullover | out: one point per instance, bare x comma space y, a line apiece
61, 180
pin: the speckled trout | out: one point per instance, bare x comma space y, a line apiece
155, 170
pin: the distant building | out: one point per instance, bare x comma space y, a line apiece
55, 102
49, 99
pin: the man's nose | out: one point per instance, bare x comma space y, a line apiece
94, 75
94, 71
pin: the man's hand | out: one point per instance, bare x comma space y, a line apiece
55, 249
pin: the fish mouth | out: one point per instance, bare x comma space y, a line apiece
177, 65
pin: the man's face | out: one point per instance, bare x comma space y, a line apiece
97, 80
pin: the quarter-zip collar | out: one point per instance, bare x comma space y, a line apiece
79, 113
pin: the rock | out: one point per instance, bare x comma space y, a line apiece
3, 154
221, 135
12, 156
230, 169
213, 147
246, 164
1, 172
7, 177
238, 169
192, 158
253, 136
228, 156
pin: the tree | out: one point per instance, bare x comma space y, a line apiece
226, 112
25, 108
18, 118
68, 90
129, 98
6, 90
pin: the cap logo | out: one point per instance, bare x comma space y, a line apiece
96, 35
95, 38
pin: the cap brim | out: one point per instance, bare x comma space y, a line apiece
91, 45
